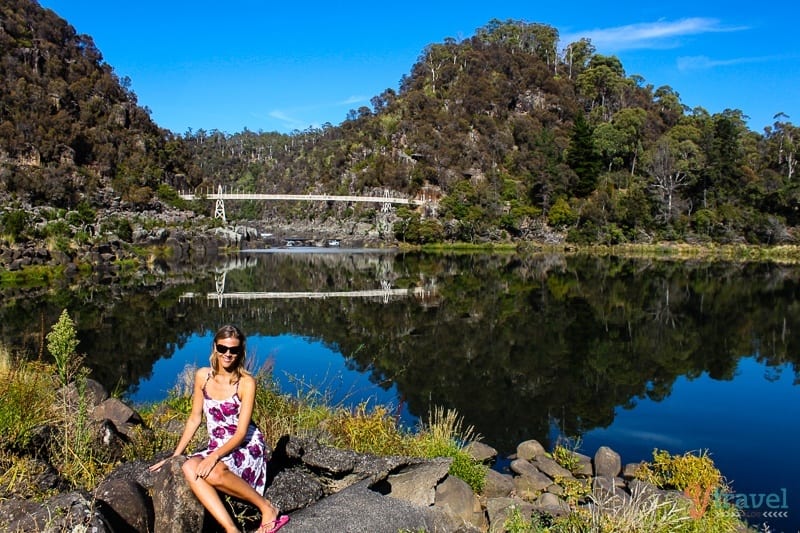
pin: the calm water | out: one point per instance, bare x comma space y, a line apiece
635, 355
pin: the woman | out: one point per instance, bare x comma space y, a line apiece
234, 461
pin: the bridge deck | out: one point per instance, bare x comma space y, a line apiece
303, 197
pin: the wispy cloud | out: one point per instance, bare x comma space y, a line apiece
353, 100
289, 122
705, 63
660, 34
288, 117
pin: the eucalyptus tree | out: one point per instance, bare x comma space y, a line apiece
783, 144
576, 56
601, 85
621, 140
671, 164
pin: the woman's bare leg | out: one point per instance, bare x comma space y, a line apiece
208, 495
223, 479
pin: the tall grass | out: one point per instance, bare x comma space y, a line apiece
28, 393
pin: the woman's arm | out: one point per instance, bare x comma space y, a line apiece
194, 420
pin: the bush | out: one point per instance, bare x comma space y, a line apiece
698, 478
561, 214
14, 223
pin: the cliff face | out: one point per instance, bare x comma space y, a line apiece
68, 125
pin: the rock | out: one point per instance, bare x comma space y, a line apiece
585, 468
126, 505
551, 504
551, 468
94, 392
497, 485
120, 414
72, 511
417, 483
529, 487
357, 509
607, 462
499, 510
629, 470
333, 460
175, 507
457, 500
608, 494
294, 489
523, 467
530, 449
480, 452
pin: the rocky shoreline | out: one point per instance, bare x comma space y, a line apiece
330, 489
181, 236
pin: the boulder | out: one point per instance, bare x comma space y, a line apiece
481, 452
294, 489
126, 505
497, 485
357, 509
457, 500
607, 462
72, 511
176, 510
530, 449
551, 468
499, 510
417, 483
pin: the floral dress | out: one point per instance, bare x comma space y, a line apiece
249, 460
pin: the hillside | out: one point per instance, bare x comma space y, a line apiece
522, 137
69, 127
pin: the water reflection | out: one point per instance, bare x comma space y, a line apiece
519, 346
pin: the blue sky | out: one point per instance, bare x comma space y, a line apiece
248, 64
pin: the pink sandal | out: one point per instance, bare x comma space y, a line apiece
273, 525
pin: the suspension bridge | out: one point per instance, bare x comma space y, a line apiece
387, 200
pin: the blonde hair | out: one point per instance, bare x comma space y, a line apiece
230, 332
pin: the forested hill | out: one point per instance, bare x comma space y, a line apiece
69, 127
521, 136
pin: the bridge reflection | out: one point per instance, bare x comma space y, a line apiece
427, 294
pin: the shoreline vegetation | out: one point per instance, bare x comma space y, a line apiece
46, 425
786, 254
36, 275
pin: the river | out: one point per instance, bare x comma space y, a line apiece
632, 354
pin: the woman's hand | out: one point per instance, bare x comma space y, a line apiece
206, 466
156, 467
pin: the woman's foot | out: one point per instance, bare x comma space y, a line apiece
273, 525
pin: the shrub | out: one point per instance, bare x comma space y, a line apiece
699, 480
62, 342
561, 214
14, 223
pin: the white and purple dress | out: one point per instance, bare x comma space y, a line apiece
249, 460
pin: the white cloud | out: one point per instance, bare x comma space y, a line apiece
289, 122
353, 100
704, 62
658, 34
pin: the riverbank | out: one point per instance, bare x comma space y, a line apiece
120, 237
313, 445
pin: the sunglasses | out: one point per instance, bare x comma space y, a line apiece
235, 350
